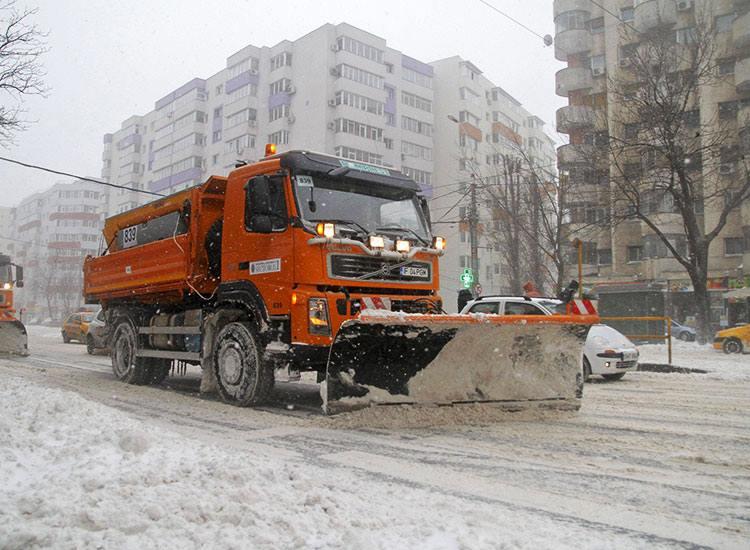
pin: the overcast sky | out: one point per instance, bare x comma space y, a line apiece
112, 59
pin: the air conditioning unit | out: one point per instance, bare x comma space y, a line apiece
291, 89
598, 71
726, 169
290, 119
335, 71
331, 102
625, 62
331, 125
334, 47
684, 5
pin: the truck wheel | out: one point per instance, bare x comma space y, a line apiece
126, 366
732, 345
243, 378
90, 347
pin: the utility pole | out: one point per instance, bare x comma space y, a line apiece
473, 219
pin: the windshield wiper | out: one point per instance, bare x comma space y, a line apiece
350, 222
401, 228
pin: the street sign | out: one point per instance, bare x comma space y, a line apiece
467, 278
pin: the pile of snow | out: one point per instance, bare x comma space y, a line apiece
79, 474
696, 356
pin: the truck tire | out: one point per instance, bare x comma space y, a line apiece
90, 347
127, 367
158, 370
243, 377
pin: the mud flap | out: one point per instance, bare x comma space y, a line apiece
13, 338
447, 360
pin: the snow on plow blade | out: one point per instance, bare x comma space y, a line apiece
13, 338
513, 362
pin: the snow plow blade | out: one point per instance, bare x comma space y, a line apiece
511, 362
13, 338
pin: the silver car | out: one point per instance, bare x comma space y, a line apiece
97, 336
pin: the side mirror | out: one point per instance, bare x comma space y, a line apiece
19, 276
425, 210
261, 223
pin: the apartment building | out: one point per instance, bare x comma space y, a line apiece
477, 123
52, 232
7, 216
590, 39
338, 90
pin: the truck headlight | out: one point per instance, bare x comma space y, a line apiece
327, 230
6, 286
403, 246
317, 314
438, 243
377, 242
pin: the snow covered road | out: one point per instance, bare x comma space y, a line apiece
652, 460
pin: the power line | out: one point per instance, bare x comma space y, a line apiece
517, 22
83, 178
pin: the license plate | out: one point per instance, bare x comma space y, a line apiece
408, 271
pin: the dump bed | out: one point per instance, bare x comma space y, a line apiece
157, 251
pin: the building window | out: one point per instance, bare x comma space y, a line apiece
283, 59
249, 64
359, 75
605, 256
358, 154
416, 151
728, 110
415, 101
686, 35
358, 129
726, 66
598, 64
420, 176
635, 253
238, 145
244, 91
692, 118
280, 137
216, 136
733, 246
359, 48
570, 20
281, 85
241, 116
723, 23
220, 89
410, 75
278, 112
596, 25
416, 126
359, 102
627, 14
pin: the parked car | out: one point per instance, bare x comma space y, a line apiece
76, 326
606, 352
609, 353
682, 332
97, 334
733, 340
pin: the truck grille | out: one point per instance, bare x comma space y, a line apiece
354, 267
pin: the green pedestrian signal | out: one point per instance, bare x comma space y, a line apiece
467, 277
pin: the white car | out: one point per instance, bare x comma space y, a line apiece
607, 352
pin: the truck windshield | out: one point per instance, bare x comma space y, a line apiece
375, 208
5, 274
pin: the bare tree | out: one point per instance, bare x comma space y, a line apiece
665, 153
21, 73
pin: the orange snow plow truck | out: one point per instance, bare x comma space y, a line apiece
314, 263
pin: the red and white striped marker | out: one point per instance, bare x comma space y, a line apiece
583, 307
375, 302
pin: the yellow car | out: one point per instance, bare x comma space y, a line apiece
733, 340
76, 326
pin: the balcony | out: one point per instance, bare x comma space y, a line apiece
563, 6
574, 154
572, 117
571, 79
742, 76
741, 32
655, 14
572, 42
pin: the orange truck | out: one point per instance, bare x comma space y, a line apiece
13, 337
314, 263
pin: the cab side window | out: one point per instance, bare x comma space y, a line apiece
264, 196
522, 308
486, 307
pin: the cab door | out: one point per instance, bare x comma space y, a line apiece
257, 240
